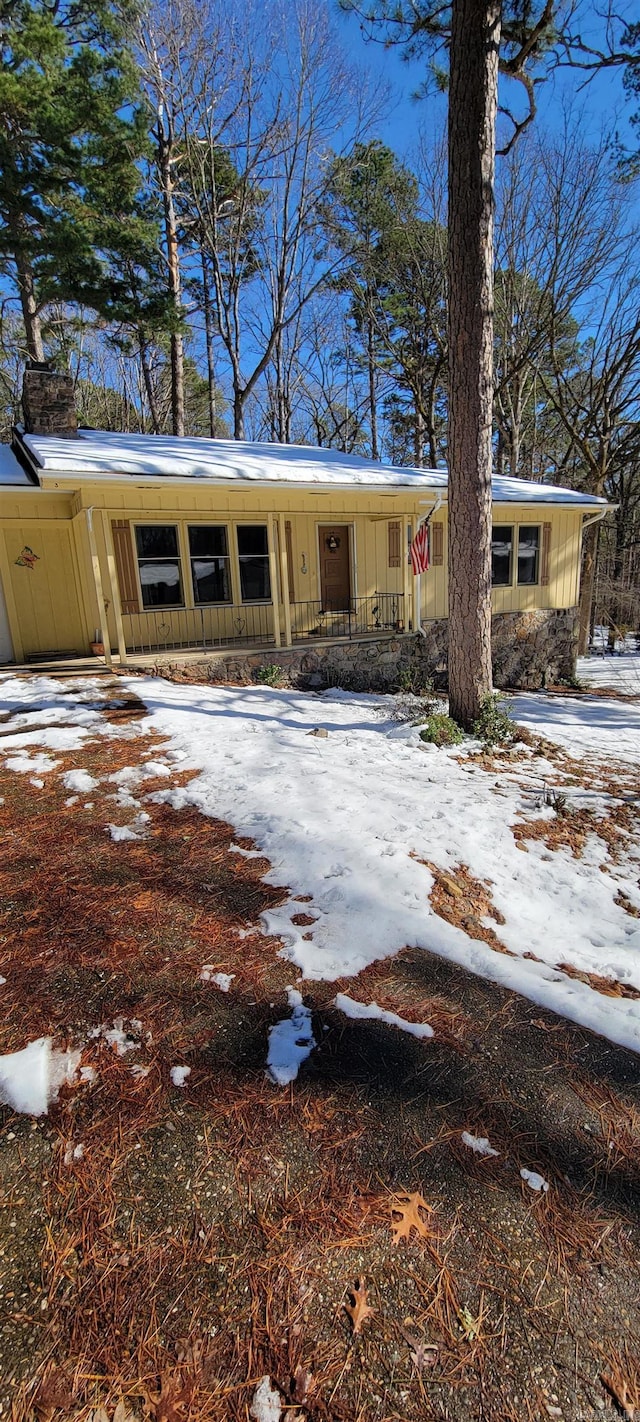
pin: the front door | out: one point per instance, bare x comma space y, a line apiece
335, 569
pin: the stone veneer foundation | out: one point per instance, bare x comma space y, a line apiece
530, 650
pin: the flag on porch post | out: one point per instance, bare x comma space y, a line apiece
420, 550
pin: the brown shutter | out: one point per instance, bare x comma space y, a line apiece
395, 560
289, 547
545, 575
437, 544
125, 564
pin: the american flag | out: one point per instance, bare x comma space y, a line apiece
420, 550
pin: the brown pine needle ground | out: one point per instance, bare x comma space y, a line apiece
204, 1236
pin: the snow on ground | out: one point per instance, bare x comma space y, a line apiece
620, 672
348, 819
31, 1079
290, 1041
479, 1144
608, 730
362, 1010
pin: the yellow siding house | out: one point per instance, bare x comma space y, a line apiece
153, 545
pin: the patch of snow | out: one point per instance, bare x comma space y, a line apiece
208, 974
139, 1072
361, 1010
106, 454
31, 764
37, 784
607, 730
266, 1405
88, 805
118, 1037
290, 1041
88, 1075
119, 833
179, 1074
479, 1144
71, 800
620, 672
535, 1181
124, 832
79, 780
246, 853
358, 850
31, 1078
73, 1153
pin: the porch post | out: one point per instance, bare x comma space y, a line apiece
114, 590
273, 575
284, 578
97, 582
417, 597
406, 574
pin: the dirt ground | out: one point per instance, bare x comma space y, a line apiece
207, 1235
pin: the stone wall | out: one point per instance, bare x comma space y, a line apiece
530, 650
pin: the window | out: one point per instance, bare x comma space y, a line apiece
528, 553
209, 553
159, 565
253, 553
501, 551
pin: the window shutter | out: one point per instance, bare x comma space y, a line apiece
289, 547
545, 575
395, 559
125, 564
437, 544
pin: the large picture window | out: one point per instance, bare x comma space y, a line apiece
253, 556
209, 553
528, 553
159, 565
501, 555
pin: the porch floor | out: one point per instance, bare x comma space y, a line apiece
94, 666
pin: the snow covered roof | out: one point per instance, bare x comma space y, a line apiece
98, 454
11, 471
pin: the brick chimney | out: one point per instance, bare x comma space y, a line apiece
48, 402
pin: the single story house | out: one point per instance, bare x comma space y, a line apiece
154, 545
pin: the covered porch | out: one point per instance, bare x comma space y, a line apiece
357, 567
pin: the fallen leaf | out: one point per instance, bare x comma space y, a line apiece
423, 1355
623, 1392
303, 1384
55, 1391
171, 1403
408, 1208
359, 1309
122, 1413
470, 1325
143, 901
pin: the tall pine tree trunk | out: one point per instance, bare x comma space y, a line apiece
29, 305
148, 382
208, 329
373, 411
473, 93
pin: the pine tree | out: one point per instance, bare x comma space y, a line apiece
72, 131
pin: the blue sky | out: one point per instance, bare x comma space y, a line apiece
603, 99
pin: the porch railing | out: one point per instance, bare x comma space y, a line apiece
182, 628
382, 613
173, 629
